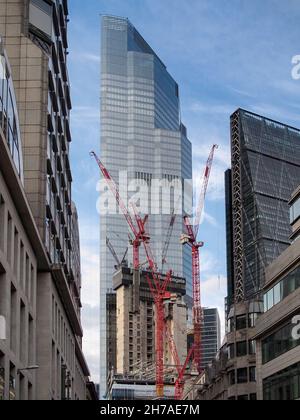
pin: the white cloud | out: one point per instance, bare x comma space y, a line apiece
213, 291
276, 112
90, 276
212, 109
86, 57
83, 114
221, 163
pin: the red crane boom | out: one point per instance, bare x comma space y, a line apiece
140, 233
191, 239
179, 384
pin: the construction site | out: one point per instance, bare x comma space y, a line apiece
149, 353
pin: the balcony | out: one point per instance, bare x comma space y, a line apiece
63, 143
50, 124
68, 131
55, 60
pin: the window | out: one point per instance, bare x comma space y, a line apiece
284, 385
241, 349
231, 352
277, 293
232, 379
40, 16
252, 347
252, 318
278, 343
283, 289
242, 376
295, 211
253, 397
241, 322
243, 398
252, 374
231, 325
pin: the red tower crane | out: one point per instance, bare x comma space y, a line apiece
157, 287
139, 233
191, 239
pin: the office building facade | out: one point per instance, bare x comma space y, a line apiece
277, 330
265, 171
35, 36
21, 255
211, 336
141, 135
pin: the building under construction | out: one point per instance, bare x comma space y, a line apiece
132, 347
170, 321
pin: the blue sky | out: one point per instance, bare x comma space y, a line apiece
224, 55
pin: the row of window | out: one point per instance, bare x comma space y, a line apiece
279, 343
283, 289
8, 115
284, 385
242, 376
25, 388
242, 322
241, 349
17, 257
62, 334
251, 397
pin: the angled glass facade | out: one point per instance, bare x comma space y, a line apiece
265, 172
141, 133
9, 120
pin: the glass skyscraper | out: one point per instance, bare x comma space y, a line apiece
265, 171
142, 134
211, 336
265, 158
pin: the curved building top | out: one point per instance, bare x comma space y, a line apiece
9, 120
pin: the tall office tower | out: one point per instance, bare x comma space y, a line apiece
265, 172
141, 134
35, 34
211, 336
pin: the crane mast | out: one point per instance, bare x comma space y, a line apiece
190, 238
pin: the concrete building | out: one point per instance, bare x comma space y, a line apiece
176, 324
265, 171
141, 134
35, 36
278, 351
212, 384
135, 321
211, 336
22, 255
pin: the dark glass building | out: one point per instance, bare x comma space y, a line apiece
211, 336
265, 171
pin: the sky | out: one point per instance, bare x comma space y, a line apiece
224, 56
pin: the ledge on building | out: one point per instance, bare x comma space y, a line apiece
64, 291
